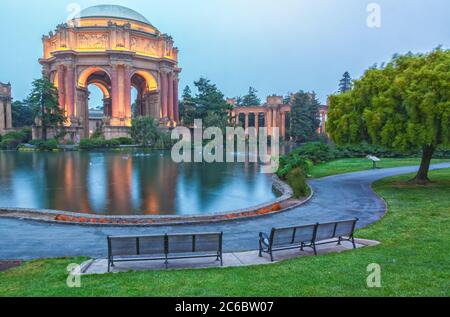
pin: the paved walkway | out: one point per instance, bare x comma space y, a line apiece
235, 259
336, 198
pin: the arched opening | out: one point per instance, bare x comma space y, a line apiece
94, 98
144, 95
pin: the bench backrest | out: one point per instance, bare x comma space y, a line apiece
136, 245
194, 243
164, 244
292, 235
332, 230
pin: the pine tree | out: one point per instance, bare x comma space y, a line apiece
44, 101
250, 99
305, 120
346, 83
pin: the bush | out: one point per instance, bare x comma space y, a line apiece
125, 141
316, 152
11, 140
9, 144
297, 180
48, 145
364, 149
91, 144
293, 161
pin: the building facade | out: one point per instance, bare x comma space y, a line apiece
115, 49
5, 108
272, 114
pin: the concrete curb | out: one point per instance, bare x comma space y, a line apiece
51, 216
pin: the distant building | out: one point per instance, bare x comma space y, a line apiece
272, 114
96, 117
5, 108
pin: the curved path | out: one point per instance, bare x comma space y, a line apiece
336, 198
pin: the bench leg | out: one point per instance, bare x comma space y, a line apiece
314, 248
302, 247
339, 241
109, 265
271, 256
221, 260
353, 241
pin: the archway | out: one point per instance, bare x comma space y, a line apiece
145, 95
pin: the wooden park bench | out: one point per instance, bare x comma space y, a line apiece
164, 247
307, 236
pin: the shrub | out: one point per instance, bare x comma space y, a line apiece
9, 144
125, 141
316, 152
292, 161
297, 180
48, 145
91, 144
144, 131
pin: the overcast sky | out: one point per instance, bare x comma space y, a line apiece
277, 46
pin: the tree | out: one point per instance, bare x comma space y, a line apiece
304, 117
346, 83
44, 101
144, 131
209, 100
404, 105
187, 107
250, 99
22, 114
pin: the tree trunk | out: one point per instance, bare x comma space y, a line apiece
422, 174
44, 128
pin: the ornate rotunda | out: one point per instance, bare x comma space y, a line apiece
115, 49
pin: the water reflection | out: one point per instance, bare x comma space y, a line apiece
128, 184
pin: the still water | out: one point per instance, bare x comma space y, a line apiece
135, 183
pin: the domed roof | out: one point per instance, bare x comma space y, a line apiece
113, 11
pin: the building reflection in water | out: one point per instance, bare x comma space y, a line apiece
128, 184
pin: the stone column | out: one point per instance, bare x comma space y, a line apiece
275, 123
269, 121
114, 92
107, 107
164, 104
247, 121
121, 91
70, 92
61, 87
176, 106
2, 114
257, 123
283, 125
127, 94
8, 114
171, 110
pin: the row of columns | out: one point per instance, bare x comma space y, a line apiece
274, 118
169, 97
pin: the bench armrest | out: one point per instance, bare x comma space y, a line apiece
264, 239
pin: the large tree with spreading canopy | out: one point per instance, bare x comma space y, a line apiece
402, 105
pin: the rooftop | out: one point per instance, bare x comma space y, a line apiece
113, 11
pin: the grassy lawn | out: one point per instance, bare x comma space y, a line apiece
414, 256
360, 164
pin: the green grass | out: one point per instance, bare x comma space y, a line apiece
414, 257
360, 164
